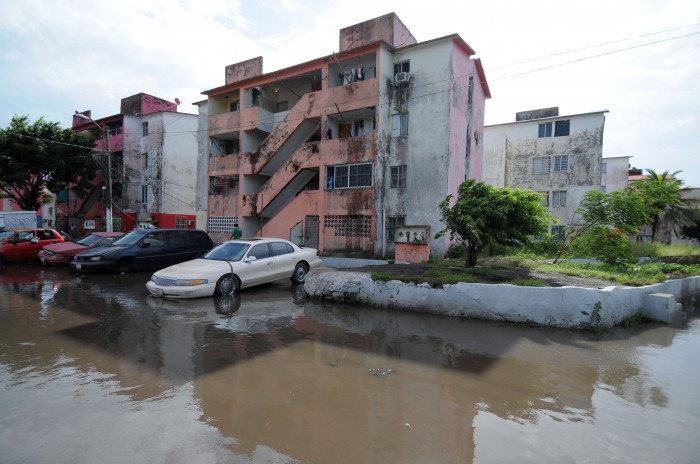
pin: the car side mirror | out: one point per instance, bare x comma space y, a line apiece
250, 259
145, 244
34, 240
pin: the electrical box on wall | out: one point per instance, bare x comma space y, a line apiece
412, 234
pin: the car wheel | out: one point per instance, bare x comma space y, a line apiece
227, 285
299, 275
126, 265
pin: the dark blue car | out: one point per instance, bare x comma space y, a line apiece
145, 249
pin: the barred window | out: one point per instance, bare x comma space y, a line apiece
559, 198
398, 176
349, 176
223, 185
540, 165
349, 226
559, 232
561, 163
180, 222
221, 224
393, 222
545, 198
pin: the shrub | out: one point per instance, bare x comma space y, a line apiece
608, 245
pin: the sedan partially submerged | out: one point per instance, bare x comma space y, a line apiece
234, 265
61, 254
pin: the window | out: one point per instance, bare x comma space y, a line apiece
349, 176
223, 185
281, 248
545, 130
234, 106
398, 176
399, 125
282, 106
144, 128
559, 232
404, 66
391, 225
260, 251
561, 128
561, 163
180, 222
145, 160
144, 194
559, 198
540, 165
545, 198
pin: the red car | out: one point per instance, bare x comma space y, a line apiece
24, 244
61, 254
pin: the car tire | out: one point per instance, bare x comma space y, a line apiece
126, 265
299, 275
227, 285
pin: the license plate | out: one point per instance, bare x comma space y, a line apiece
78, 266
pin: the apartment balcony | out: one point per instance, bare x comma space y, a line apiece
116, 142
223, 124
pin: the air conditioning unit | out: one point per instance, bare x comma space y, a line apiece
190, 223
402, 77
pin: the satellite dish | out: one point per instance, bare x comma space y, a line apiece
177, 101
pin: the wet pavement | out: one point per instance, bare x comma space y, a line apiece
93, 369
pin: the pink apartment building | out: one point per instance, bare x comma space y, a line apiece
336, 152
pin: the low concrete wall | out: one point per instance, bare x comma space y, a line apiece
569, 307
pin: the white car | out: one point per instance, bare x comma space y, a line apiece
234, 265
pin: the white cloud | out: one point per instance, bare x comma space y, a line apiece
59, 56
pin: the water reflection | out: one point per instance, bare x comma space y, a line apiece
283, 378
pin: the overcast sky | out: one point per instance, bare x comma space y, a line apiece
638, 59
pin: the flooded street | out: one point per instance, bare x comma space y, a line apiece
92, 369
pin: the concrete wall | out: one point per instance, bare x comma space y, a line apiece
179, 176
431, 167
566, 307
615, 175
202, 182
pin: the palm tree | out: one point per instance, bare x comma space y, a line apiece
664, 198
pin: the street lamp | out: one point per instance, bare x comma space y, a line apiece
105, 136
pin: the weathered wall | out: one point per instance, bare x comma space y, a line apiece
179, 177
244, 70
514, 145
430, 166
202, 182
388, 28
567, 307
616, 173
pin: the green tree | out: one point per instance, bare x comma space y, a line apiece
484, 215
42, 155
663, 196
692, 230
622, 210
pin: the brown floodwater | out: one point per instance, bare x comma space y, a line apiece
92, 369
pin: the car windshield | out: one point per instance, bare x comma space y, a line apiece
231, 251
130, 238
88, 240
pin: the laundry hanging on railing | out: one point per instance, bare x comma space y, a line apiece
353, 75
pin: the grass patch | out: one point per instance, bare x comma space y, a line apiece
632, 275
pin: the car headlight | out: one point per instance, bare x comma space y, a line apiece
96, 258
190, 282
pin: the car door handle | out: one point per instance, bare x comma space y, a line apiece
270, 263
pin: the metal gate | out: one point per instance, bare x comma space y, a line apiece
311, 231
